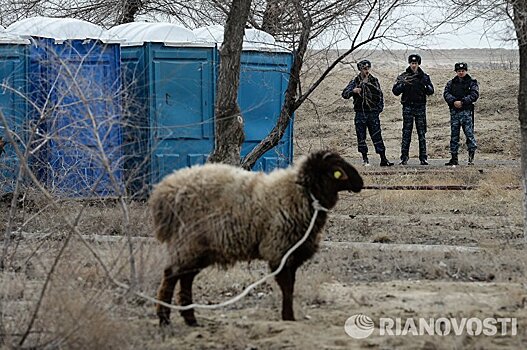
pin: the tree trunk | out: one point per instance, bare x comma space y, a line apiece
271, 17
229, 133
520, 18
130, 9
290, 101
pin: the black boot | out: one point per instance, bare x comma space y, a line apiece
404, 159
365, 160
384, 160
453, 161
471, 157
423, 161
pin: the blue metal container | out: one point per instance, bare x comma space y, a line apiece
263, 81
13, 89
264, 75
169, 79
74, 74
169, 84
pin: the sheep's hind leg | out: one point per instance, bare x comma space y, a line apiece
165, 294
185, 297
286, 281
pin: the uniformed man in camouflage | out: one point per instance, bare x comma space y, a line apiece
460, 94
368, 103
414, 85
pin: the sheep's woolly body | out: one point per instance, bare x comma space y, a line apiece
219, 214
225, 214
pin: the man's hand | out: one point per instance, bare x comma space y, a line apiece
357, 90
458, 104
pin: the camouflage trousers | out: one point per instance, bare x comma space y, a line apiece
458, 120
413, 114
370, 121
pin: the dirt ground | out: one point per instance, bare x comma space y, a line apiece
386, 253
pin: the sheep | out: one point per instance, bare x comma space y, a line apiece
220, 214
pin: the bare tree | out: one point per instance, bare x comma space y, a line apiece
520, 23
229, 121
295, 23
374, 22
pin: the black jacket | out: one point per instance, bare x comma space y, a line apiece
465, 90
370, 99
414, 87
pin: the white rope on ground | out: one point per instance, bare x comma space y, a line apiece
316, 205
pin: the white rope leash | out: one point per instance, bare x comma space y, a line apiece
316, 205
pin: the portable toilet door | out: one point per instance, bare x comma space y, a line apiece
264, 76
74, 73
13, 107
169, 86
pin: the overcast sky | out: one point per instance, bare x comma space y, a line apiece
476, 34
471, 37
414, 21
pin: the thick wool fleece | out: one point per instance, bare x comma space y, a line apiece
219, 214
222, 214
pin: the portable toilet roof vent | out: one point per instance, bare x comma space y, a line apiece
60, 29
138, 33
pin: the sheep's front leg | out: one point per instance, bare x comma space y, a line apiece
165, 294
286, 281
185, 297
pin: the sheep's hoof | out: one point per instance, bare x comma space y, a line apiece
164, 321
288, 317
188, 316
191, 322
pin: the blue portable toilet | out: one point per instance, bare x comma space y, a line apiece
264, 75
74, 76
169, 83
13, 89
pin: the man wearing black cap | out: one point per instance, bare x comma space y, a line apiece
368, 103
414, 85
460, 94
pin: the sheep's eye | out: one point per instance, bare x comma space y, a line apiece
337, 174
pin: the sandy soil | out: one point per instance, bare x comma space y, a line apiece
321, 326
83, 310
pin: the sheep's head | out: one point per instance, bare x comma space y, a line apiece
325, 173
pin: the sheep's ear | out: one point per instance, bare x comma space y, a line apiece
327, 155
339, 174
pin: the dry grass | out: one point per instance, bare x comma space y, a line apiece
81, 308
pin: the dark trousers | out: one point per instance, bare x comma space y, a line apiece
370, 121
461, 119
411, 115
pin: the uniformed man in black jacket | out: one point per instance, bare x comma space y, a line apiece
460, 94
414, 85
368, 103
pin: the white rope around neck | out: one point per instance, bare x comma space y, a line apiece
316, 205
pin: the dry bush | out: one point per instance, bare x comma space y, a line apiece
77, 319
81, 308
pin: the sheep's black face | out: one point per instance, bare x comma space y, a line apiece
326, 173
340, 174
